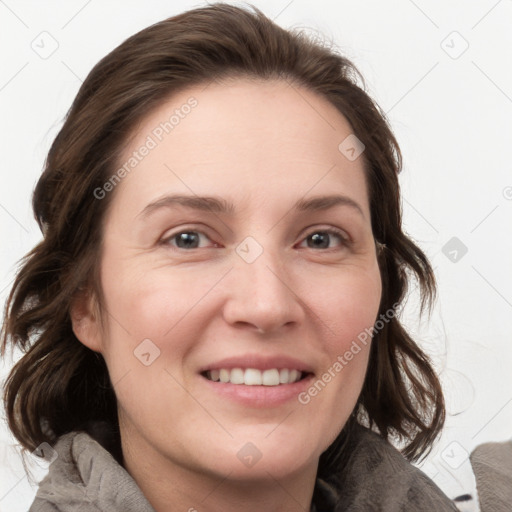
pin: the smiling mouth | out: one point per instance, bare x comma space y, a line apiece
255, 377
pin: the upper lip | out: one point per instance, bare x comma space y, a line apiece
259, 362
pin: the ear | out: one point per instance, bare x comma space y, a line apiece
85, 320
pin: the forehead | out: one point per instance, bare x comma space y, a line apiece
266, 139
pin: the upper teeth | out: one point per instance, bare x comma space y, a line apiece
254, 377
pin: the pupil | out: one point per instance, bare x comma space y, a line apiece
187, 240
320, 240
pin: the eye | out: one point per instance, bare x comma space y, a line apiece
323, 239
189, 239
319, 239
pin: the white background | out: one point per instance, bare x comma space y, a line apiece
451, 110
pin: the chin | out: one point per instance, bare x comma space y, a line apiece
264, 459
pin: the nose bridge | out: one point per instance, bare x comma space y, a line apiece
262, 270
261, 293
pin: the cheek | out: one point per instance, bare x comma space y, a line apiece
152, 323
155, 305
347, 304
347, 310
164, 306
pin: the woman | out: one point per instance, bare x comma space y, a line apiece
210, 320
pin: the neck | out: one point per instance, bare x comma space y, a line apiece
169, 486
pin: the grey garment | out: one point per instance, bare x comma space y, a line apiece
492, 465
86, 478
377, 478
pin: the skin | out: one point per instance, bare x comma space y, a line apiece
261, 146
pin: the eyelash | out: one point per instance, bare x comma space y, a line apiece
344, 239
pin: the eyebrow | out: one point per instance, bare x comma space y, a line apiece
219, 205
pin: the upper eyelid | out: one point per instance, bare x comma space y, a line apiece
343, 233
170, 233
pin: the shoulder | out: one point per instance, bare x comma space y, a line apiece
492, 465
377, 477
85, 476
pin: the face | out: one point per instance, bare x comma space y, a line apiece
237, 247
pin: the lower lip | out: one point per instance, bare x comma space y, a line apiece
260, 396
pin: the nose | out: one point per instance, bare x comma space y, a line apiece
262, 296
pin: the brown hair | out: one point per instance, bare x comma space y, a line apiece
59, 385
